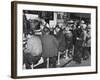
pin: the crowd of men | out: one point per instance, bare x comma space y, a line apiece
70, 40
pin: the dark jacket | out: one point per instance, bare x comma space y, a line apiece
49, 45
61, 39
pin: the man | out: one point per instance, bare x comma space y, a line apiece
50, 47
87, 43
33, 48
79, 36
88, 38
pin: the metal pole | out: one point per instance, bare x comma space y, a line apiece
48, 62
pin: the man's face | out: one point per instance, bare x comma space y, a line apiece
34, 24
57, 29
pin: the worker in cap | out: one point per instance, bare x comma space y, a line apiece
50, 48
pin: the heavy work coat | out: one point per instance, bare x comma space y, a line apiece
61, 39
49, 46
34, 46
68, 39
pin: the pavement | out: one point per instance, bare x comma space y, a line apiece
69, 63
83, 63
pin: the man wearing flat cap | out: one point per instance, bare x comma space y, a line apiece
50, 47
